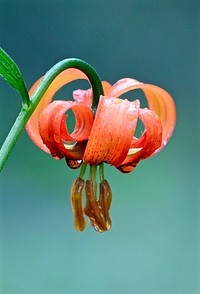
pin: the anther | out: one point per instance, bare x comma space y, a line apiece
76, 203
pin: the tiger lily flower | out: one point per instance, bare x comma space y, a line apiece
101, 135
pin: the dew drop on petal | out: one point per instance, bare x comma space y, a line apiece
74, 163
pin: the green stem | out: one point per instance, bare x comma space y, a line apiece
92, 177
93, 171
61, 66
101, 172
83, 170
25, 113
13, 135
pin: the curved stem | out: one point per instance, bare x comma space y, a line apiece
26, 112
88, 70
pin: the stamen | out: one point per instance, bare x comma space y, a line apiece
92, 177
101, 171
97, 210
83, 170
105, 200
77, 205
92, 209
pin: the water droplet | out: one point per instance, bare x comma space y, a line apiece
74, 163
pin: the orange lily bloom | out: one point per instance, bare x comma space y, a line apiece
106, 136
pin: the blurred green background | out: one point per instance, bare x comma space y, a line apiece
153, 246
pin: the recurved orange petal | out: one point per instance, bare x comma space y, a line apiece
159, 101
53, 128
62, 79
146, 145
112, 131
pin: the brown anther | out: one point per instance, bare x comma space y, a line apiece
92, 209
105, 200
77, 205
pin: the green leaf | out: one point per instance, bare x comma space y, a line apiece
10, 72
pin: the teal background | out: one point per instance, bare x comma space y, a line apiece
153, 246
